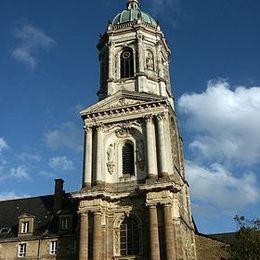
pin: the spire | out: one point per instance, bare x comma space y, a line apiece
132, 4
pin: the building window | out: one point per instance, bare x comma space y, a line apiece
53, 247
25, 227
22, 250
64, 223
127, 63
128, 159
129, 237
72, 246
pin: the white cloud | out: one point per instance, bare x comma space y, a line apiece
216, 186
3, 145
31, 40
11, 195
20, 173
67, 135
61, 163
29, 157
225, 123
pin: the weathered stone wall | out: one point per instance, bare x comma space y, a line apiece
210, 249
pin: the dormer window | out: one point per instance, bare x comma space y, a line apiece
25, 227
64, 223
127, 63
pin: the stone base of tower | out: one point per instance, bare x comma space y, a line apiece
142, 223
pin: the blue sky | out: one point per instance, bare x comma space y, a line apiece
49, 71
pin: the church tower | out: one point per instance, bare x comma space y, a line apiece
134, 202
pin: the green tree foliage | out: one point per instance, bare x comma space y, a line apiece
247, 243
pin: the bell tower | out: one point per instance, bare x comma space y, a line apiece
134, 202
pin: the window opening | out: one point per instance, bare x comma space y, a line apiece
127, 63
53, 247
129, 237
25, 227
128, 159
65, 223
22, 250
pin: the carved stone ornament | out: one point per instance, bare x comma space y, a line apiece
122, 133
123, 102
111, 168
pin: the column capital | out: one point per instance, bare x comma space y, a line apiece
161, 116
88, 129
100, 127
149, 118
151, 205
83, 213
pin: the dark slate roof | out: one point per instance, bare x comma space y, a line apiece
228, 238
40, 207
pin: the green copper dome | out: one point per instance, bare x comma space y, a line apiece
133, 13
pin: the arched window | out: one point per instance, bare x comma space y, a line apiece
129, 237
128, 159
127, 63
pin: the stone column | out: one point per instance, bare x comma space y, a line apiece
111, 61
162, 145
169, 233
140, 53
159, 60
83, 240
154, 233
99, 156
97, 236
88, 158
151, 147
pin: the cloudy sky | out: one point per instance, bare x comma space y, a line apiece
49, 72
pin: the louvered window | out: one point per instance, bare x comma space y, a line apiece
128, 159
127, 63
129, 237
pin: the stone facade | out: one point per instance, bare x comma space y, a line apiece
133, 164
134, 202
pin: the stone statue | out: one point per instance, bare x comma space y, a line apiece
149, 61
111, 158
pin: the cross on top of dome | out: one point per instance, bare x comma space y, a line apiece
132, 4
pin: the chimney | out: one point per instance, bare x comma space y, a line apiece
58, 195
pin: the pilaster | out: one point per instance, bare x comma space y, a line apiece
88, 158
99, 155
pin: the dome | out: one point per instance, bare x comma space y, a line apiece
133, 13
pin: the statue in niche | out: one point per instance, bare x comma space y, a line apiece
140, 154
111, 158
149, 61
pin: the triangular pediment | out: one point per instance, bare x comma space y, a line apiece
120, 100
